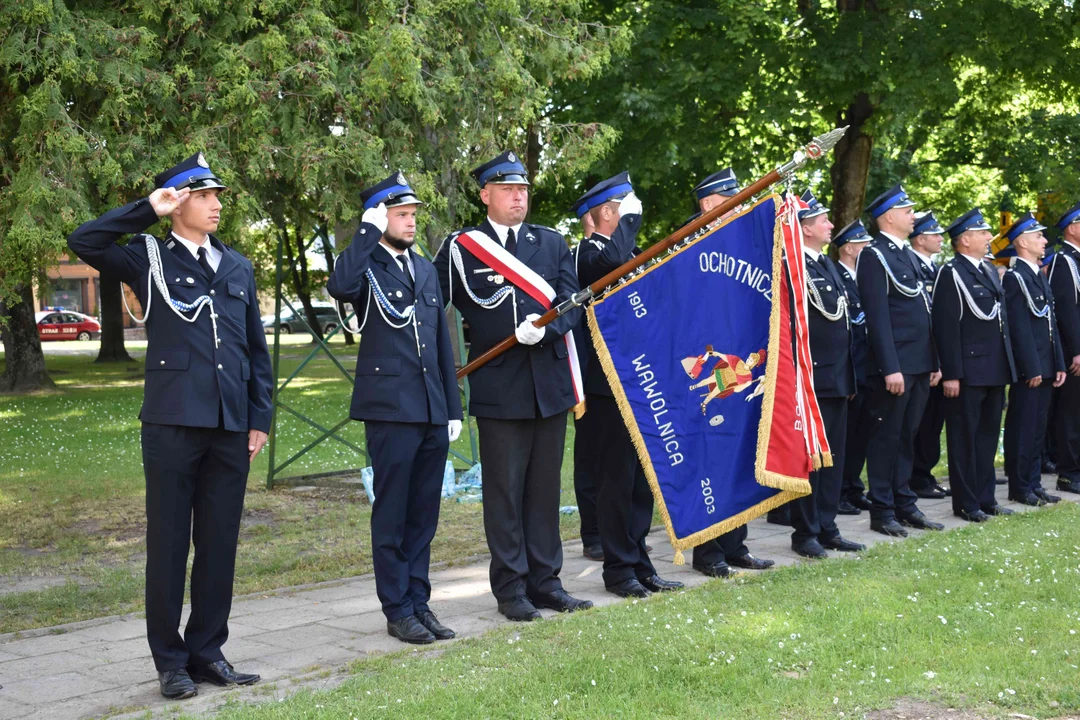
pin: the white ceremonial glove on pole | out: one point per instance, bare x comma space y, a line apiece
527, 333
630, 205
454, 427
376, 216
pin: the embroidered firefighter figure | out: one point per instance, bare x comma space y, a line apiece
729, 375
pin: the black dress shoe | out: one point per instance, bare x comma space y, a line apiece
977, 516
888, 527
648, 548
839, 543
655, 583
861, 502
998, 510
221, 673
846, 508
593, 552
1028, 499
750, 562
1001, 481
1064, 484
1049, 467
440, 631
561, 601
629, 588
1045, 496
942, 488
410, 630
810, 549
778, 517
930, 492
177, 684
519, 609
717, 569
919, 521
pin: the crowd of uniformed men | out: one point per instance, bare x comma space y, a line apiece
900, 345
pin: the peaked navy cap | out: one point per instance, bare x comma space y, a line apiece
193, 173
506, 169
894, 197
854, 232
614, 188
719, 183
392, 191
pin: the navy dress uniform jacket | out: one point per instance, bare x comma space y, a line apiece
860, 343
189, 382
898, 327
1036, 344
976, 351
525, 379
596, 257
395, 382
1066, 299
831, 343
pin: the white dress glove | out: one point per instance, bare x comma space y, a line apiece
527, 333
376, 216
454, 427
630, 205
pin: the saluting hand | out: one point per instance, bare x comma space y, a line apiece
376, 216
166, 200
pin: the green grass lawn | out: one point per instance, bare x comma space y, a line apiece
984, 617
72, 495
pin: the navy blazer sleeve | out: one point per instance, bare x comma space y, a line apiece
261, 386
874, 291
565, 286
348, 282
94, 242
447, 366
618, 250
1020, 329
1068, 312
946, 324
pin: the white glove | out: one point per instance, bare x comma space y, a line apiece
630, 205
376, 216
454, 427
527, 333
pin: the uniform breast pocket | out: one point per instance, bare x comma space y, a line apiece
185, 288
238, 301
976, 350
484, 277
548, 272
428, 306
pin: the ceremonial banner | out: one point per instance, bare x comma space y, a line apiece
700, 355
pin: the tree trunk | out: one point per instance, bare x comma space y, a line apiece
112, 321
851, 162
25, 370
329, 255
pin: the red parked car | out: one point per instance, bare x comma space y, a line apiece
66, 325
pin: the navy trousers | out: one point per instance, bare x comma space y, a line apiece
408, 460
894, 420
1025, 435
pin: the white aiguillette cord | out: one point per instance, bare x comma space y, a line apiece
156, 276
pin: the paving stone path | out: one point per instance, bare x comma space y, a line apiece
298, 637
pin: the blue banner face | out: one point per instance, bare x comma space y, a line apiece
684, 346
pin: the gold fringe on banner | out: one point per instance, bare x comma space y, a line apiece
790, 488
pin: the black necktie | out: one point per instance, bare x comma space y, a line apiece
205, 263
511, 242
405, 268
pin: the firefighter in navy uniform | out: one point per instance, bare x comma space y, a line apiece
813, 516
623, 498
1065, 282
902, 364
205, 414
715, 557
926, 241
406, 394
848, 243
1040, 363
971, 329
521, 398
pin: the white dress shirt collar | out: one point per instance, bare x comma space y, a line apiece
501, 231
1033, 266
899, 242
1072, 245
850, 269
977, 262
213, 255
395, 254
814, 254
928, 260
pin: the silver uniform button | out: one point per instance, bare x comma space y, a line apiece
191, 280
162, 362
213, 293
376, 369
177, 279
219, 367
241, 293
828, 288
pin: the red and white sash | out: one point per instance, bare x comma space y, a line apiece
495, 256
